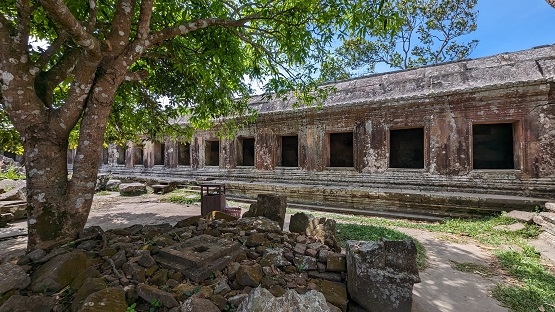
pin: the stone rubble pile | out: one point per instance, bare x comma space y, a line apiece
12, 201
7, 163
216, 264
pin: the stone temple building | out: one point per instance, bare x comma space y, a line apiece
454, 139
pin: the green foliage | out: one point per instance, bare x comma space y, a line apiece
10, 140
428, 35
181, 196
131, 308
537, 289
208, 73
155, 305
370, 233
11, 174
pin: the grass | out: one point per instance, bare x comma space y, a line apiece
102, 193
473, 268
181, 196
370, 233
11, 174
534, 286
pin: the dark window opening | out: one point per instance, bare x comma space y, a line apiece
159, 153
290, 151
341, 150
492, 146
71, 156
121, 155
138, 156
406, 148
246, 158
184, 154
212, 153
10, 155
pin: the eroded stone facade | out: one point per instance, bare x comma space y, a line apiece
454, 139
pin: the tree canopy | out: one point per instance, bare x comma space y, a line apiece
430, 33
70, 70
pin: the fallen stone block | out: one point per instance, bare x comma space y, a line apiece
381, 275
270, 206
132, 189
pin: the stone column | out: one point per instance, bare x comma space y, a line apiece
228, 153
265, 149
311, 147
171, 151
197, 153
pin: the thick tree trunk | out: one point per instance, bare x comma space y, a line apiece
58, 206
49, 215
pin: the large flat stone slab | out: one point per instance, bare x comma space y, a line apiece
200, 256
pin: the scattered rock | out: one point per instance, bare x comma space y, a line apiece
511, 227
523, 216
109, 299
324, 230
132, 189
269, 206
195, 304
150, 293
261, 300
102, 181
113, 185
13, 190
59, 272
550, 206
12, 277
37, 303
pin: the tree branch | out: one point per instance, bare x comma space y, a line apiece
51, 50
93, 11
68, 115
121, 27
23, 24
144, 19
184, 29
60, 13
46, 81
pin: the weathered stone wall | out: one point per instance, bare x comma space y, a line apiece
445, 101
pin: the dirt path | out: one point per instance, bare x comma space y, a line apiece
443, 289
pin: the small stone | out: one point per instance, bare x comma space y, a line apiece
336, 263
249, 275
237, 299
311, 252
145, 259
195, 304
300, 248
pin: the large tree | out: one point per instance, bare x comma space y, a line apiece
68, 64
431, 32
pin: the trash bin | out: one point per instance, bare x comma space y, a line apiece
212, 198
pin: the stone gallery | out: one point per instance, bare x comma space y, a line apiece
455, 139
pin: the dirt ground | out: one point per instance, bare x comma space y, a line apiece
443, 289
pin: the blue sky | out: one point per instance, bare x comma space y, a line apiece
512, 25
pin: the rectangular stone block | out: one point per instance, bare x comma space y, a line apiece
200, 256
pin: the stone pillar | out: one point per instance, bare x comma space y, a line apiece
129, 155
148, 154
170, 161
228, 158
375, 146
449, 139
311, 147
197, 153
265, 149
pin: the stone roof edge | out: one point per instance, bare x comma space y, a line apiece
530, 66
